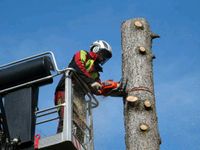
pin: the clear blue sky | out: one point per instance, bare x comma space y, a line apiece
29, 27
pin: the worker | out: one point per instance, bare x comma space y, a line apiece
88, 65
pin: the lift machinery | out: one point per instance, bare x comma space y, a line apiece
19, 88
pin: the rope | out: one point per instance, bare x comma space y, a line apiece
140, 88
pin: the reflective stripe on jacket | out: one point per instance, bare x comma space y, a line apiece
86, 67
84, 63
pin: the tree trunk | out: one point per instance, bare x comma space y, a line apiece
139, 104
79, 112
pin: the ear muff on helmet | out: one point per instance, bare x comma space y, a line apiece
95, 49
102, 48
101, 44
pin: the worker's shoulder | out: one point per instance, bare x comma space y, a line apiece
84, 51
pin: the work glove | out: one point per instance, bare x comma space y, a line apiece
96, 86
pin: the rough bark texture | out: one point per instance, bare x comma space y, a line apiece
140, 122
80, 115
79, 112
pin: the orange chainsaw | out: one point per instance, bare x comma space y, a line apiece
112, 88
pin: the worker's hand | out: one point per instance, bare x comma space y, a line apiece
96, 86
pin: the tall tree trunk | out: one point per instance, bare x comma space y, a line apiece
139, 105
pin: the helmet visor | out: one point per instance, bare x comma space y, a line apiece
104, 55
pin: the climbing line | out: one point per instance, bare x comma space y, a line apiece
140, 88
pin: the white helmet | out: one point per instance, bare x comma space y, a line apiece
101, 46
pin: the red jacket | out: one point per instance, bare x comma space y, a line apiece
86, 65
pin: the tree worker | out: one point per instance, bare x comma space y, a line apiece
87, 66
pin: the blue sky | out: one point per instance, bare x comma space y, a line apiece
65, 26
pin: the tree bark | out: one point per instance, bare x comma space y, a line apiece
79, 112
82, 117
140, 116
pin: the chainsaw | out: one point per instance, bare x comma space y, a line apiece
112, 88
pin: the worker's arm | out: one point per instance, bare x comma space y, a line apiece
80, 59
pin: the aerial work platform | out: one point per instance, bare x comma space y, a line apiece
19, 86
